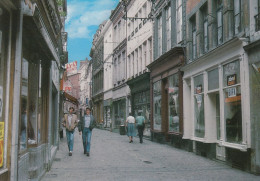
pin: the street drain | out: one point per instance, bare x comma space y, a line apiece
147, 162
51, 176
57, 159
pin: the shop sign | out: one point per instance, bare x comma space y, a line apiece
198, 89
231, 80
232, 92
1, 101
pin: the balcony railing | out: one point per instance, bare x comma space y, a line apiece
257, 22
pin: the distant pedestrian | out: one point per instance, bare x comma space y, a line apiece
140, 120
70, 121
130, 123
86, 124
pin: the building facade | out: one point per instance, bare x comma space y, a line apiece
97, 55
139, 55
31, 52
216, 81
108, 73
166, 77
120, 100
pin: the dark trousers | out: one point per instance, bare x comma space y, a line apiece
140, 133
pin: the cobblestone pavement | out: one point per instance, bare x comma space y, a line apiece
112, 157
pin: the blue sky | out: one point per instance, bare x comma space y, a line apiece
83, 19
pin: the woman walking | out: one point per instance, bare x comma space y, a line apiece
130, 123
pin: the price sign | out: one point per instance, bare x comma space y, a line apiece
232, 92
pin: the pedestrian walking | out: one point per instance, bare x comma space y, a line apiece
70, 122
86, 124
130, 123
140, 120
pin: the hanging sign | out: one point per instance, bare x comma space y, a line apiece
231, 80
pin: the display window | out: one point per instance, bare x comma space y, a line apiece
173, 103
232, 96
4, 40
30, 105
157, 97
199, 106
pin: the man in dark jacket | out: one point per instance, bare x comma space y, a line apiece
86, 124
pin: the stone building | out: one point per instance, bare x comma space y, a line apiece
139, 55
31, 57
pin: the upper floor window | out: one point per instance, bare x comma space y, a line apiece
220, 21
237, 15
194, 42
179, 20
205, 27
168, 27
159, 19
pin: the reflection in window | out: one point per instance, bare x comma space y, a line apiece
33, 98
157, 96
213, 78
24, 103
173, 103
199, 106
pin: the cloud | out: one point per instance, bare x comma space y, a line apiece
83, 14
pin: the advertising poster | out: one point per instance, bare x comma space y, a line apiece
1, 101
2, 126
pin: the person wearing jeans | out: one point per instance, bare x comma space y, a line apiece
70, 121
86, 124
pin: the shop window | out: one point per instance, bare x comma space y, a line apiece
157, 96
173, 103
199, 106
30, 118
232, 96
213, 78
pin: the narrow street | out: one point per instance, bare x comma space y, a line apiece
113, 158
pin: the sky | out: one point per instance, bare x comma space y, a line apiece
83, 19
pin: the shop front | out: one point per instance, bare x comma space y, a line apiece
216, 101
107, 113
166, 98
5, 24
140, 99
119, 113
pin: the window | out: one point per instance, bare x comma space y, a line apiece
219, 22
179, 20
168, 27
232, 96
150, 51
119, 68
31, 110
159, 19
237, 16
173, 103
157, 96
194, 42
119, 31
145, 55
199, 106
213, 98
257, 18
145, 10
123, 65
205, 27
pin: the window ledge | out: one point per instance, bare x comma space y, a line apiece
199, 139
241, 147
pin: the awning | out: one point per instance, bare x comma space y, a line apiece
70, 98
